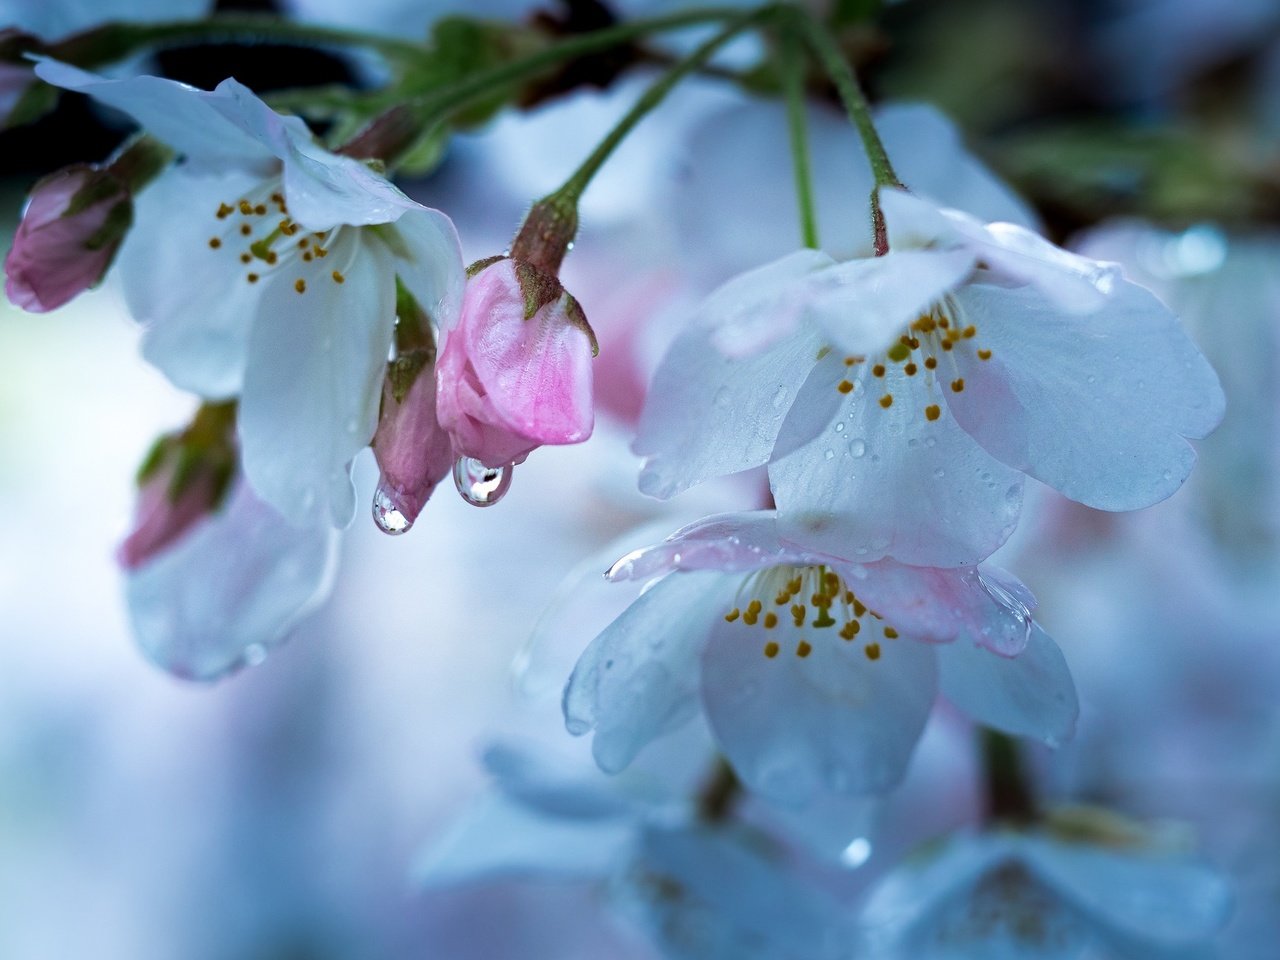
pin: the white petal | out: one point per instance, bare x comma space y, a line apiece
707, 415
793, 726
314, 377
429, 262
501, 838
725, 541
552, 786
181, 116
879, 482
864, 305
1156, 899
1095, 405
756, 309
1029, 695
193, 299
230, 590
639, 678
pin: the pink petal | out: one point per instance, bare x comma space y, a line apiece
413, 451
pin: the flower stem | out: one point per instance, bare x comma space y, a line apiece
793, 71
719, 794
1009, 796
654, 95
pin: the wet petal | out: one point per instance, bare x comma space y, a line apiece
818, 715
886, 481
708, 415
1095, 405
1030, 695
726, 541
429, 263
183, 117
864, 305
756, 309
314, 377
193, 298
230, 590
639, 678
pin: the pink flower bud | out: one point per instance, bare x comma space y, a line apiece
163, 516
413, 451
515, 372
69, 232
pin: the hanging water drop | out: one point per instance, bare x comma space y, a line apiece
857, 446
1020, 628
479, 485
387, 515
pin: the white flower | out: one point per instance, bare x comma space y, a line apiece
900, 399
265, 266
816, 672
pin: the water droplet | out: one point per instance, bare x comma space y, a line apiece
840, 427
353, 425
1015, 606
387, 515
856, 853
479, 485
779, 397
254, 654
576, 727
829, 454
930, 441
857, 446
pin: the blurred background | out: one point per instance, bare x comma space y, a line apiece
278, 814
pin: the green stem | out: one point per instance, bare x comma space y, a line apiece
793, 70
851, 95
654, 95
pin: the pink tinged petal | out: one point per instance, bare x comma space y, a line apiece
160, 519
756, 309
194, 300
728, 542
832, 719
230, 590
944, 605
51, 260
707, 415
1029, 695
864, 305
314, 377
510, 382
1096, 406
413, 451
428, 261
639, 678
186, 119
1155, 899
859, 480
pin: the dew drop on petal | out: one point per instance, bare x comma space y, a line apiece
387, 516
254, 654
856, 853
479, 485
1006, 599
857, 446
780, 397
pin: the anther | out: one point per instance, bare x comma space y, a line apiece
300, 285
932, 412
732, 615
338, 278
984, 354
771, 649
770, 620
246, 258
878, 370
214, 243
872, 650
957, 385
260, 209
930, 363
246, 208
891, 633
803, 649
844, 386
910, 369
245, 229
886, 401
225, 210
970, 332
252, 278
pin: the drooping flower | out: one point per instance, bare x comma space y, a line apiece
184, 479
230, 588
266, 266
927, 382
816, 672
515, 371
1046, 891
